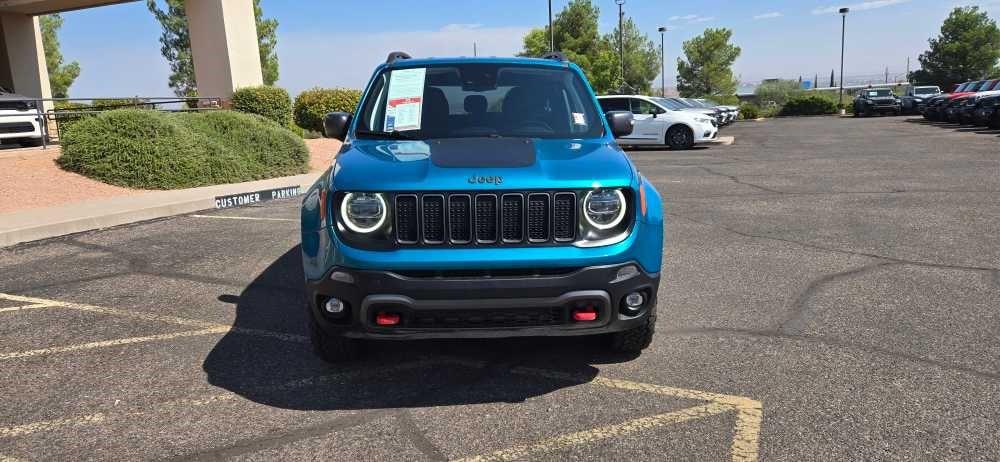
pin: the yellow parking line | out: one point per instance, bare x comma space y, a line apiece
111, 311
25, 307
305, 382
601, 433
116, 342
749, 412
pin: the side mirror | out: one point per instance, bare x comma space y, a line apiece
335, 125
621, 123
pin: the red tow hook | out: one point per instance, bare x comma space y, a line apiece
587, 313
386, 319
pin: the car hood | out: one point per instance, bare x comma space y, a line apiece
701, 110
480, 164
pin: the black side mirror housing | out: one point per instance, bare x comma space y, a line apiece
621, 123
335, 125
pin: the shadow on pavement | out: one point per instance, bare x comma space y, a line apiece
392, 374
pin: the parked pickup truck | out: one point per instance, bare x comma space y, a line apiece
480, 198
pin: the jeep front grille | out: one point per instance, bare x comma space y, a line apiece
459, 219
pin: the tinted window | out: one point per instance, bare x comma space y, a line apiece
614, 104
878, 93
479, 100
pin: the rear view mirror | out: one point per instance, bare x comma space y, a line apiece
335, 125
621, 123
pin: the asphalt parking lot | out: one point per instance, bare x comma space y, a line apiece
831, 291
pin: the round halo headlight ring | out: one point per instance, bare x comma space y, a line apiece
618, 218
358, 228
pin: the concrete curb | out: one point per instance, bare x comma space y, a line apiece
32, 225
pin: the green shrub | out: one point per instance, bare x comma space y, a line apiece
809, 105
269, 102
155, 150
311, 106
749, 111
779, 91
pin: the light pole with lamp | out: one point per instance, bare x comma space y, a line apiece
552, 33
663, 65
843, 32
621, 40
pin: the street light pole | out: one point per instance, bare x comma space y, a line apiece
663, 65
621, 40
843, 35
552, 33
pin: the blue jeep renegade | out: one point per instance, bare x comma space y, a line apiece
480, 197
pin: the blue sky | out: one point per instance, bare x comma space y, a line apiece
321, 44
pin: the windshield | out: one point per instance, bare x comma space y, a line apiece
878, 93
669, 103
926, 91
479, 100
682, 102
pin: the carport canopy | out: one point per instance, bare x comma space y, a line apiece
223, 44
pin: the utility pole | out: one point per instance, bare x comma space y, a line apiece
843, 36
907, 68
621, 38
475, 52
886, 74
552, 33
663, 65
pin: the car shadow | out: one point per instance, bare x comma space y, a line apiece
267, 358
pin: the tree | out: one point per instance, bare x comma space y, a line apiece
707, 71
61, 76
642, 60
577, 37
175, 44
968, 47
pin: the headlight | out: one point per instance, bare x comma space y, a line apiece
363, 212
604, 208
703, 120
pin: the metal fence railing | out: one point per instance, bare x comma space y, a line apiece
69, 109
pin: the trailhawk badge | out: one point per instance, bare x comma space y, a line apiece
496, 179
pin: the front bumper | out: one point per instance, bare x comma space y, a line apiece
479, 304
19, 127
704, 133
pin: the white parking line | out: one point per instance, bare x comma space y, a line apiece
116, 342
223, 217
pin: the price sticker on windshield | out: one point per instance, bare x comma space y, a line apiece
406, 99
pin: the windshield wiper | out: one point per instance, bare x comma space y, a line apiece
381, 134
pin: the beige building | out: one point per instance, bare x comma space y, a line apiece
223, 43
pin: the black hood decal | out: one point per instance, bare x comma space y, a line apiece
482, 152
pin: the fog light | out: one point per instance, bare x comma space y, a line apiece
625, 272
334, 306
634, 300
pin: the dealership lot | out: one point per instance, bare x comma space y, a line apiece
830, 292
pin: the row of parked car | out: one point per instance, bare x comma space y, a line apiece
679, 123
883, 101
970, 103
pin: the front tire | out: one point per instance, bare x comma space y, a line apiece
679, 137
637, 339
332, 348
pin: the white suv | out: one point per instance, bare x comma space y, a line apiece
657, 124
19, 120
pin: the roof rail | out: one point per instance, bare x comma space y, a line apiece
395, 56
555, 55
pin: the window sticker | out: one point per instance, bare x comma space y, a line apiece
579, 119
406, 99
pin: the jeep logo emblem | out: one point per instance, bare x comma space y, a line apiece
494, 179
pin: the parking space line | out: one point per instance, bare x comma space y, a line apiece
100, 417
602, 433
111, 311
25, 307
224, 217
116, 342
749, 412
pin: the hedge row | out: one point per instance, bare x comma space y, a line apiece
809, 105
308, 112
311, 106
155, 150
